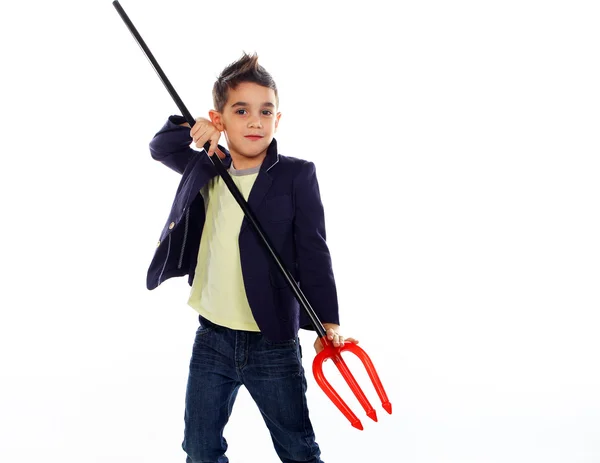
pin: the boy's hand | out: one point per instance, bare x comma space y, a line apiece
333, 335
204, 131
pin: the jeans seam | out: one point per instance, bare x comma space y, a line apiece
246, 347
304, 409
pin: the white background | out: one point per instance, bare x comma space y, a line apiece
456, 145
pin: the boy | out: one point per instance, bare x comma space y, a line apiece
249, 317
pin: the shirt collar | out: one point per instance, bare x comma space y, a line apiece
269, 161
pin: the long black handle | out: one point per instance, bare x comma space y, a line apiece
318, 326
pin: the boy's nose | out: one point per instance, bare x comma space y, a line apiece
254, 123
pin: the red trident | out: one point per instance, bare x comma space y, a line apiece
334, 353
329, 351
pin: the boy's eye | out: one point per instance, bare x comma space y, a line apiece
241, 111
266, 112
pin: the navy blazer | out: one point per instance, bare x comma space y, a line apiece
286, 201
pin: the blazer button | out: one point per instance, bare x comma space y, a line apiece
158, 244
171, 225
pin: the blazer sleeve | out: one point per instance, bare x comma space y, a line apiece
315, 272
171, 145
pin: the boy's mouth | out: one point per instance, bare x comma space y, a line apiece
253, 137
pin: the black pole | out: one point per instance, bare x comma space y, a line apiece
318, 326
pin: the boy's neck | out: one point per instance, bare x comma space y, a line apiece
243, 162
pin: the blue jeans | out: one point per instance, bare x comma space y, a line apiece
223, 360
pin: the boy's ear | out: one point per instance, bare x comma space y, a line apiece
277, 117
217, 119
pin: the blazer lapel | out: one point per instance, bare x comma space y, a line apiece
263, 182
257, 194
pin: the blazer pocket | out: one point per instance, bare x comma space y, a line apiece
280, 209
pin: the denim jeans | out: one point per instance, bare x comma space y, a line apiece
223, 360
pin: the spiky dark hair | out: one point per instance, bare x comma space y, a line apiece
245, 69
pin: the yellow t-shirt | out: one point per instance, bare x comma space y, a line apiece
218, 292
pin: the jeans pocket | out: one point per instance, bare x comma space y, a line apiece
287, 344
204, 329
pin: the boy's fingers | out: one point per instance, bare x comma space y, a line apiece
338, 339
199, 130
195, 128
199, 135
213, 147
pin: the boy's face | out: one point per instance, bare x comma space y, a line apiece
249, 121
